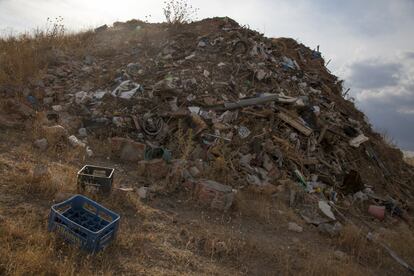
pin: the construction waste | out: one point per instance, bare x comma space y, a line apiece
217, 108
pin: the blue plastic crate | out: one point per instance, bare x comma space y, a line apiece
84, 222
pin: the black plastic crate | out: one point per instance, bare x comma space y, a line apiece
95, 178
84, 222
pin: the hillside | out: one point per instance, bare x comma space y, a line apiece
234, 154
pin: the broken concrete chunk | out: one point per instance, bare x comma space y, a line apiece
143, 192
155, 169
54, 134
82, 132
357, 141
41, 144
339, 255
75, 142
295, 227
127, 149
333, 230
57, 108
48, 100
132, 151
82, 97
214, 194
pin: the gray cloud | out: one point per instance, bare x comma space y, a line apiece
386, 118
385, 92
372, 74
409, 55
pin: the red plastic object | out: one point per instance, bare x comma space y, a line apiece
377, 211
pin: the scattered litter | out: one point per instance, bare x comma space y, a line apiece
326, 209
355, 142
244, 132
194, 109
157, 152
99, 179
127, 89
377, 211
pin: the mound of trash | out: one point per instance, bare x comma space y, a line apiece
216, 104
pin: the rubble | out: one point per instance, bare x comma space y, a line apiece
213, 194
254, 111
41, 144
294, 227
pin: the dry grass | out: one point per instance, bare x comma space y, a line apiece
24, 58
353, 240
409, 160
401, 240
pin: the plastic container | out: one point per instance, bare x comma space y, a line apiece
95, 178
84, 222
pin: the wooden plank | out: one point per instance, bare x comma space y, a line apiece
295, 123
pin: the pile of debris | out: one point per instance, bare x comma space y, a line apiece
213, 94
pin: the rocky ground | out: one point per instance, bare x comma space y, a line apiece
233, 154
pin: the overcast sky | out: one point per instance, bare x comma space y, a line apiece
370, 42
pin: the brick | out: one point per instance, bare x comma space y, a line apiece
155, 169
127, 149
214, 194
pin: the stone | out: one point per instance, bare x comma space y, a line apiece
127, 149
88, 60
57, 108
143, 192
89, 152
294, 227
260, 74
82, 132
194, 171
41, 144
132, 151
214, 194
75, 142
156, 168
329, 229
202, 44
339, 255
133, 69
82, 97
47, 100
